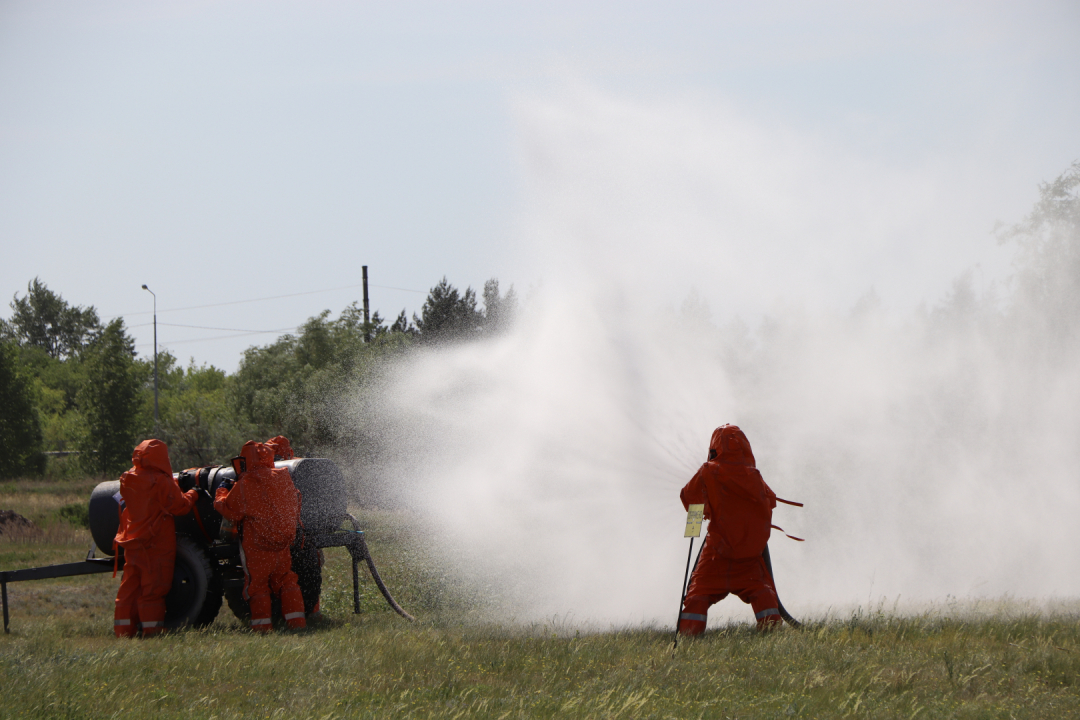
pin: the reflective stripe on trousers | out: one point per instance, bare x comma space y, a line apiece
766, 613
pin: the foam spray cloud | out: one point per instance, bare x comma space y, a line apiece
934, 456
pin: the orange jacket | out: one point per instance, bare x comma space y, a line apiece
737, 501
151, 497
264, 499
281, 448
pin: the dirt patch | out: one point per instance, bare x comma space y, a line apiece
15, 527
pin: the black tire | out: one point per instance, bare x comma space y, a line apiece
195, 596
307, 564
104, 513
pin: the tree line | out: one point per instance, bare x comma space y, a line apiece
76, 398
69, 382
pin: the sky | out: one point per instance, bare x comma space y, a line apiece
244, 160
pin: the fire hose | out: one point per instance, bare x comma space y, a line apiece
779, 605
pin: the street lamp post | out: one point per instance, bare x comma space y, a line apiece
155, 357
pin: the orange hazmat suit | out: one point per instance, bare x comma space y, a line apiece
281, 448
150, 498
738, 505
266, 506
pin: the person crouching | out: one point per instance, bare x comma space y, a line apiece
149, 498
265, 505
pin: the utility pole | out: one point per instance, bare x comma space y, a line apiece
367, 316
155, 357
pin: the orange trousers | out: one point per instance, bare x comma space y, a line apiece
715, 578
270, 572
148, 575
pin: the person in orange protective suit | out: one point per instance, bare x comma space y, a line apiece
149, 498
266, 506
738, 505
281, 448
307, 559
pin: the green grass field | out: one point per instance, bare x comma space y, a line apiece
61, 660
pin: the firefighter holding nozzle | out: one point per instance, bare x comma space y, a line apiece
738, 505
265, 504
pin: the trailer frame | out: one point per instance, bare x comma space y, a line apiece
352, 540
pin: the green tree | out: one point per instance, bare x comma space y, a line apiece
51, 336
448, 314
20, 429
498, 311
402, 325
43, 319
108, 400
56, 385
1046, 303
197, 421
298, 385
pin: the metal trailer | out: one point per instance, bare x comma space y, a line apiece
208, 568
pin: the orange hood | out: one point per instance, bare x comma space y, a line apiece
731, 446
280, 447
257, 455
152, 455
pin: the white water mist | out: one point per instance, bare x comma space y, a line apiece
547, 461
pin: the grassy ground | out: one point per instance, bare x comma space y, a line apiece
61, 661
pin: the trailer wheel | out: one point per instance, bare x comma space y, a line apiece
195, 596
307, 564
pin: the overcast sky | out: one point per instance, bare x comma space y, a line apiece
227, 152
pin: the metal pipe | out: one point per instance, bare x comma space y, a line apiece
155, 358
362, 549
355, 585
367, 317
682, 597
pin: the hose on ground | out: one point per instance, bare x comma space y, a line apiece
375, 574
779, 605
